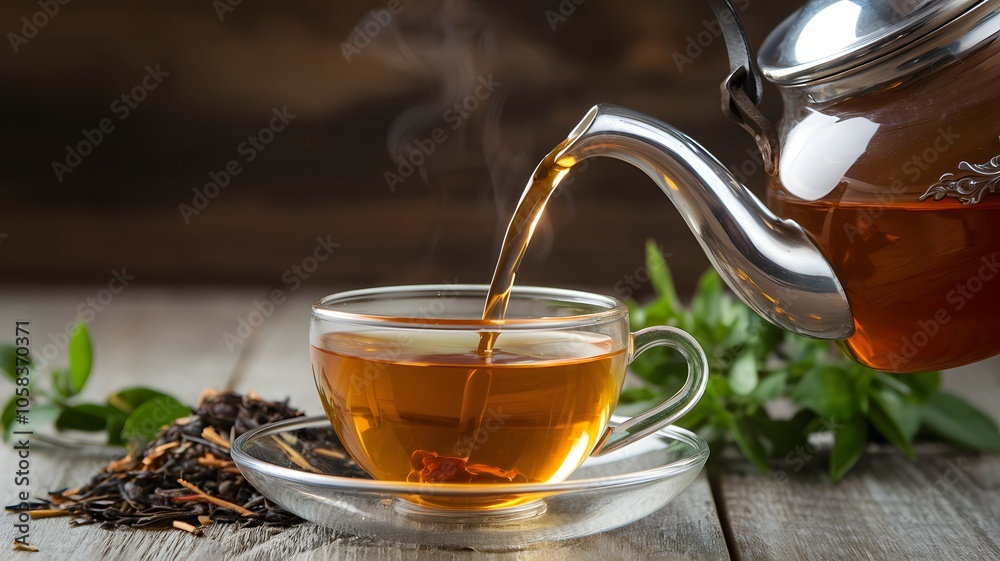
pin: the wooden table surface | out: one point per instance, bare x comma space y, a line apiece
944, 505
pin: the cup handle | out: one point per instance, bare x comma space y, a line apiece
672, 409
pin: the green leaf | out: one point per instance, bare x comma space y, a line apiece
785, 435
43, 415
848, 443
748, 440
922, 386
146, 421
659, 275
61, 382
39, 415
909, 419
827, 390
806, 354
115, 425
736, 322
88, 417
81, 357
707, 301
7, 417
705, 410
957, 421
770, 387
8, 360
743, 374
635, 395
734, 315
636, 315
888, 416
863, 378
124, 402
128, 399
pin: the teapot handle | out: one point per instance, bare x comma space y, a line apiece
743, 88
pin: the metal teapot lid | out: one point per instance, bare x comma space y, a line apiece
827, 37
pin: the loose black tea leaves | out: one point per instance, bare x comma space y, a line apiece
186, 479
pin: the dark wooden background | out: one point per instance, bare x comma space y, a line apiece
324, 175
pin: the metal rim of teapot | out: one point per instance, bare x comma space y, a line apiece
932, 33
878, 29
956, 28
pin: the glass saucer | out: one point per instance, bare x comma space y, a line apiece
603, 493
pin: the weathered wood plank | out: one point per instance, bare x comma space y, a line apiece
686, 529
943, 506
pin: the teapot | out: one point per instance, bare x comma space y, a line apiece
882, 224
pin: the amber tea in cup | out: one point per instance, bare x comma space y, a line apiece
419, 415
413, 397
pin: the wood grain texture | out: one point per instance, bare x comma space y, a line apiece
686, 529
942, 506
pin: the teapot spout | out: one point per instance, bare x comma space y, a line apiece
769, 262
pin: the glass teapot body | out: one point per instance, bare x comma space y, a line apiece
896, 177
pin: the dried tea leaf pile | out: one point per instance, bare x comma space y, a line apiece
186, 478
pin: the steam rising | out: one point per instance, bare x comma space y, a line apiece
452, 44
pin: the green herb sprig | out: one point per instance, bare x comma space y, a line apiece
752, 362
128, 416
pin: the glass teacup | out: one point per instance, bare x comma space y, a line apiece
413, 398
